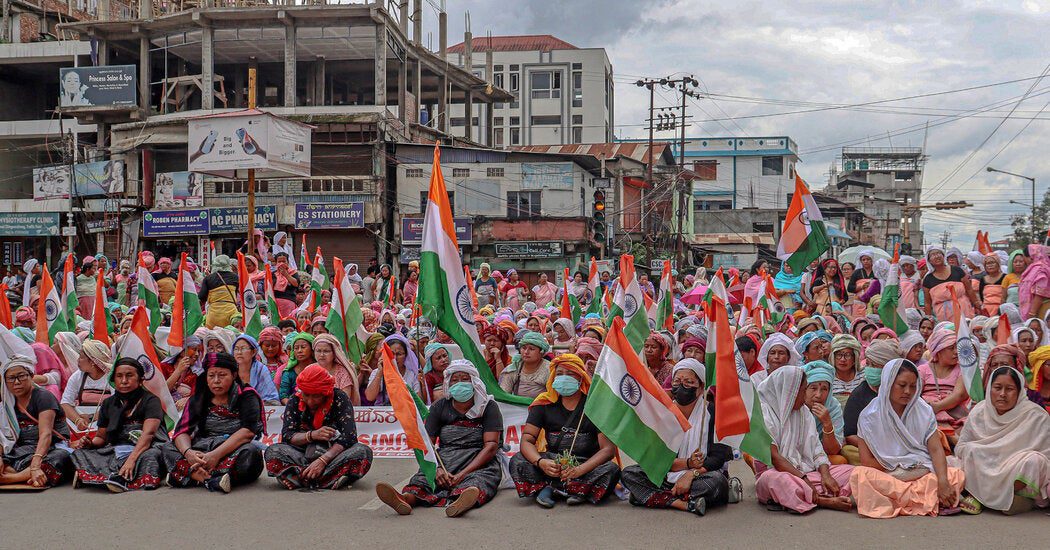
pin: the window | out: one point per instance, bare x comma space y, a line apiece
497, 121
515, 121
423, 201
414, 173
761, 228
545, 84
497, 68
457, 121
479, 196
546, 120
523, 204
240, 186
515, 136
497, 79
577, 89
514, 68
707, 170
497, 136
772, 166
577, 66
494, 172
514, 81
461, 172
577, 134
577, 119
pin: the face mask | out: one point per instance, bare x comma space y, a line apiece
461, 391
873, 376
683, 395
565, 385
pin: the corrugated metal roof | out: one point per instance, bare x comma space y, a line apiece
519, 43
635, 151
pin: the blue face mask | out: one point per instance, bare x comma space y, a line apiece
565, 385
461, 391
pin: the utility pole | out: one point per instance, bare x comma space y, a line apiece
946, 237
251, 171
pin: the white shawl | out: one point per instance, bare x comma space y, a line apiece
996, 449
288, 249
696, 437
775, 339
898, 441
794, 431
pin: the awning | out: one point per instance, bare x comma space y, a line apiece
834, 231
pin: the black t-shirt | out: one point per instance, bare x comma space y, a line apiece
956, 276
148, 408
559, 424
442, 413
856, 403
39, 401
858, 275
998, 281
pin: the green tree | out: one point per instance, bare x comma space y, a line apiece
1022, 225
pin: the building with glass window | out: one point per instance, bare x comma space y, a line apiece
741, 172
564, 94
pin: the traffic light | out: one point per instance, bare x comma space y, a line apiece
598, 216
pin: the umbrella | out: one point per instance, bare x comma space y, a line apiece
852, 253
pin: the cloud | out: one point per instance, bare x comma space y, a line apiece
827, 51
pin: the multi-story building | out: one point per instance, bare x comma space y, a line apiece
885, 183
562, 94
740, 172
357, 73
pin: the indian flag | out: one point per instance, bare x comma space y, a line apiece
137, 344
629, 304
345, 317
966, 348
593, 284
443, 294
804, 237
303, 260
100, 323
50, 318
186, 314
715, 299
69, 294
269, 297
317, 279
628, 405
891, 310
148, 294
5, 307
737, 409
570, 307
322, 275
408, 415
664, 306
249, 302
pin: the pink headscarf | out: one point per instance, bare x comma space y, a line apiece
875, 335
588, 346
47, 361
940, 340
273, 334
1035, 280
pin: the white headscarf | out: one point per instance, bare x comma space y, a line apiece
69, 345
777, 339
9, 429
696, 437
27, 286
794, 431
566, 325
1046, 334
1015, 334
909, 340
898, 441
481, 394
288, 249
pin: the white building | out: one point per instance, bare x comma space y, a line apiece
565, 93
741, 172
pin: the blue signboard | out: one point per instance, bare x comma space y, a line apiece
234, 219
329, 216
30, 224
546, 175
171, 223
412, 230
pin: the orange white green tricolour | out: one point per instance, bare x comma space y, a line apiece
804, 237
409, 416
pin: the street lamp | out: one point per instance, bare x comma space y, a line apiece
990, 169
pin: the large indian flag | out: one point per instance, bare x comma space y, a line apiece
595, 305
69, 294
148, 295
138, 344
629, 305
715, 297
50, 318
186, 314
410, 417
628, 405
443, 295
100, 324
804, 237
250, 314
891, 310
966, 348
737, 409
344, 317
665, 304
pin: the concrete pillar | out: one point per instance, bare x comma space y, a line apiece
402, 19
468, 110
442, 109
488, 133
145, 9
379, 83
289, 66
468, 51
104, 10
144, 75
208, 67
443, 35
417, 89
417, 22
320, 68
402, 91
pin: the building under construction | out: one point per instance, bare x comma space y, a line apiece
885, 183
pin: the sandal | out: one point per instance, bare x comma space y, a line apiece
970, 505
950, 511
773, 506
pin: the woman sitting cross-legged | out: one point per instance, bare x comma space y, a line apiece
33, 429
801, 477
578, 461
214, 440
697, 480
319, 447
1004, 447
125, 452
904, 470
469, 426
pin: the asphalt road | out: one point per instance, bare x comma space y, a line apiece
265, 516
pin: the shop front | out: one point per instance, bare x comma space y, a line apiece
28, 235
338, 228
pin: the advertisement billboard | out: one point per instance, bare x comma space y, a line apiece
178, 189
113, 86
98, 178
228, 143
51, 182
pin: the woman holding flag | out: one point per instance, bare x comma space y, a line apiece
577, 463
319, 447
33, 429
697, 480
125, 452
469, 426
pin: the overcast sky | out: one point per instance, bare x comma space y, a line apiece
836, 51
